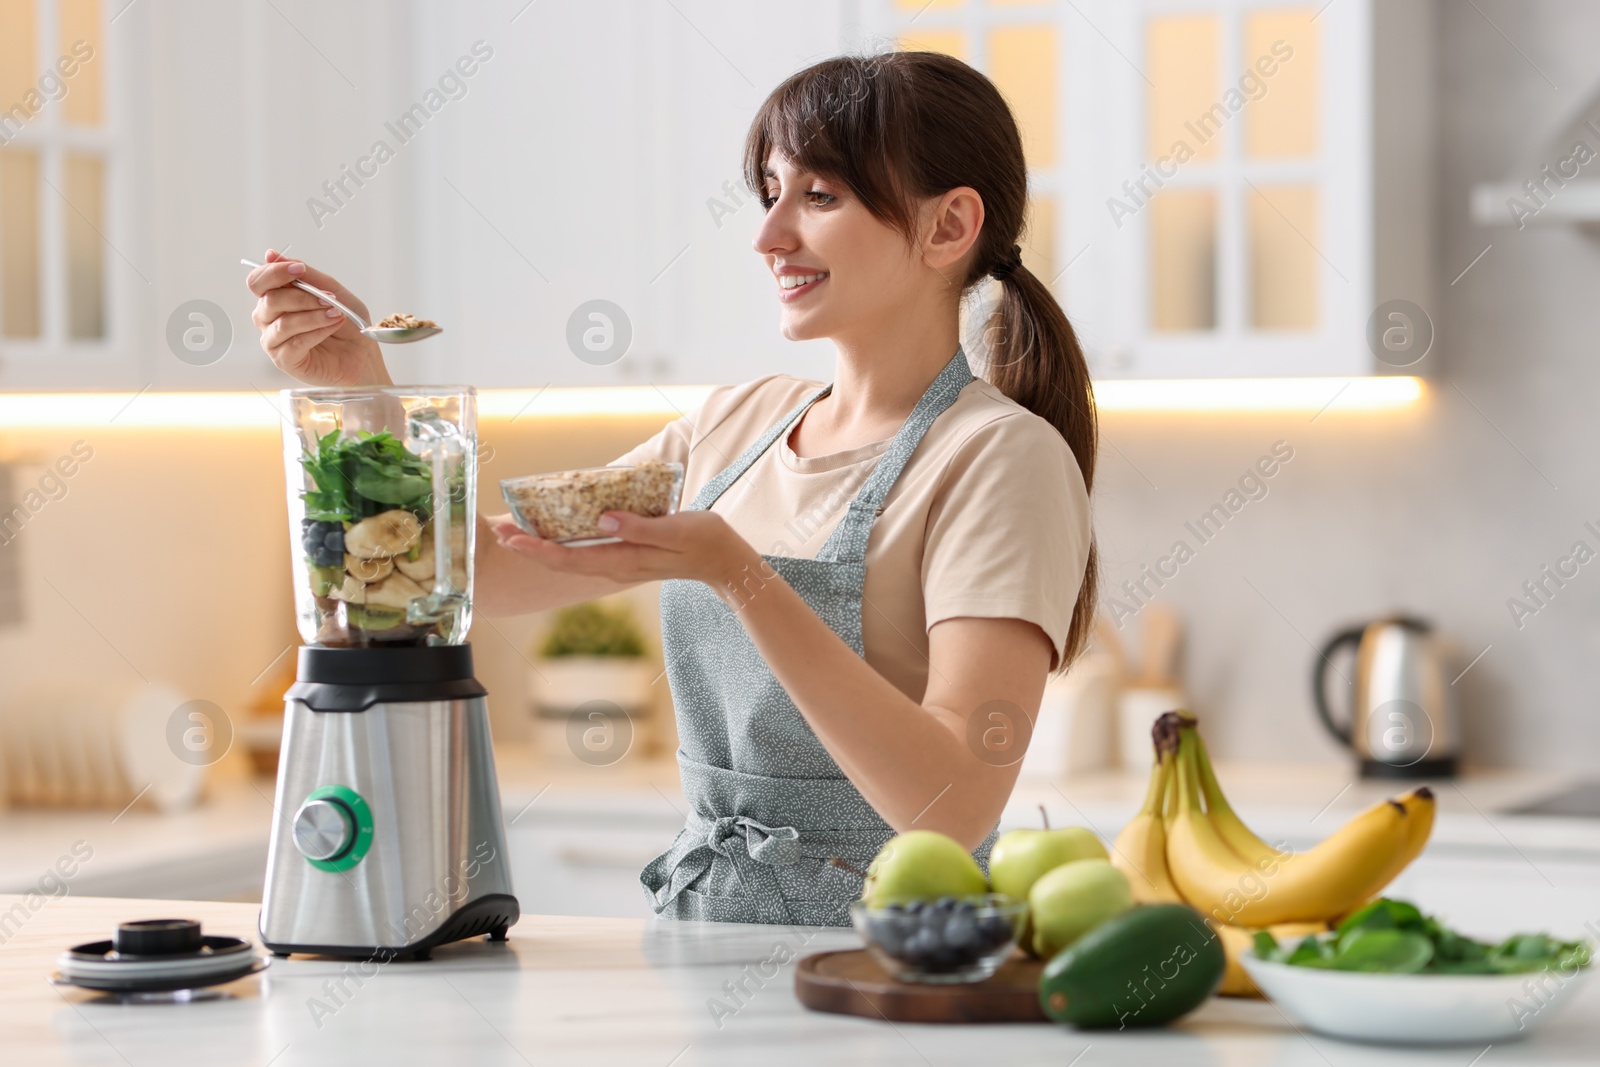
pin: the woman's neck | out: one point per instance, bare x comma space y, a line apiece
879, 376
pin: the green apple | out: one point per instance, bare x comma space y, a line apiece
1021, 857
1073, 899
922, 865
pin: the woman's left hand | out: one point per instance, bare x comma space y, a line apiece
698, 545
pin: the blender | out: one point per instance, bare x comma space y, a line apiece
388, 839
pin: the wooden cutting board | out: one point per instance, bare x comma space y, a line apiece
852, 983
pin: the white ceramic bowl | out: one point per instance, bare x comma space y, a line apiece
1415, 1008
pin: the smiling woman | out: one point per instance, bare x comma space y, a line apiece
865, 568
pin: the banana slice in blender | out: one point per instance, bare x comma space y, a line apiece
387, 534
368, 570
421, 568
395, 591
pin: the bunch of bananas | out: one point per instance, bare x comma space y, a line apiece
1186, 845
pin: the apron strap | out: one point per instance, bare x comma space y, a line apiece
717, 486
848, 542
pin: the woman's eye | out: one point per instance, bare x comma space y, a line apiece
816, 197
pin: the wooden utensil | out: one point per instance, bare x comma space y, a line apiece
1158, 647
851, 982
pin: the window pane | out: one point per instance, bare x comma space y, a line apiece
1283, 257
1183, 260
1181, 56
1039, 238
19, 61
80, 30
1022, 63
19, 243
950, 42
85, 218
1283, 121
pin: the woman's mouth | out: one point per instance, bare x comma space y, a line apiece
794, 286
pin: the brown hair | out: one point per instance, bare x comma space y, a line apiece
903, 126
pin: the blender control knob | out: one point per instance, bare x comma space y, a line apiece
323, 829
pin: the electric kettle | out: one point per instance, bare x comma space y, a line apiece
1402, 713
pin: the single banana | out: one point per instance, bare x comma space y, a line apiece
1420, 805
1321, 883
1245, 844
1140, 850
1238, 940
1169, 796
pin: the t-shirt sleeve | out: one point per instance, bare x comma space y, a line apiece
1009, 530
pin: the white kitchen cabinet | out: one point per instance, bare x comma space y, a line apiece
221, 122
602, 161
66, 299
1223, 188
593, 153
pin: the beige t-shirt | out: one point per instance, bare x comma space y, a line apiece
989, 518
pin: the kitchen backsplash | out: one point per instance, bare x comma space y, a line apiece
166, 558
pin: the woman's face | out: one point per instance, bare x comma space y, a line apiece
845, 269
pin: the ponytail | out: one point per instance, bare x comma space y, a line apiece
901, 126
1034, 358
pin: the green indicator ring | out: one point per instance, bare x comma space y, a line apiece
361, 814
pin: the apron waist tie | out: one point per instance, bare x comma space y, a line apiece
753, 849
764, 844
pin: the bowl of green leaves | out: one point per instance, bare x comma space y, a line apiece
1389, 973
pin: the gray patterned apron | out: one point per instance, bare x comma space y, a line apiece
769, 804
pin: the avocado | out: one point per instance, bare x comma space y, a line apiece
368, 618
1144, 967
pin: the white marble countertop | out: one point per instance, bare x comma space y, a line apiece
610, 990
604, 991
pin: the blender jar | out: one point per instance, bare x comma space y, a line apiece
382, 513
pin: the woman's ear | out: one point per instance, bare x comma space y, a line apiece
955, 220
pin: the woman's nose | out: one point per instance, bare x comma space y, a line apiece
777, 234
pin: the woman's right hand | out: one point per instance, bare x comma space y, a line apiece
306, 338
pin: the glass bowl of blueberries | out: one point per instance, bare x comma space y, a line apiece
949, 940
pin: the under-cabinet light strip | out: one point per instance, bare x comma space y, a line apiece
252, 410
1258, 394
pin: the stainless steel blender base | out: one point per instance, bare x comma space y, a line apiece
388, 838
493, 915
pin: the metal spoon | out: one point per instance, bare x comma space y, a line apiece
385, 335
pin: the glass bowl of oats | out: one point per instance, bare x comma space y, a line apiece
565, 506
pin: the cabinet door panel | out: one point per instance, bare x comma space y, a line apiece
604, 162
1215, 178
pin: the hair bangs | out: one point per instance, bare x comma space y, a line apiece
834, 120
